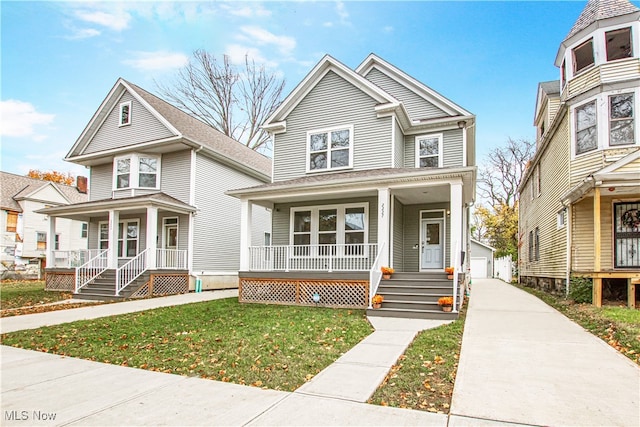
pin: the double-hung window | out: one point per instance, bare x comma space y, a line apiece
621, 119
330, 149
429, 151
329, 227
128, 234
136, 171
586, 127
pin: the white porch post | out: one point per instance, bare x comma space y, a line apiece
245, 233
152, 233
456, 221
384, 224
51, 239
112, 254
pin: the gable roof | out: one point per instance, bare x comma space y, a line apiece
419, 88
184, 126
16, 187
478, 242
549, 89
275, 122
597, 10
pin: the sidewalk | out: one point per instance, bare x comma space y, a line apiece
524, 362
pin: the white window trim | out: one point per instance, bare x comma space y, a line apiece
561, 219
124, 235
440, 137
328, 130
122, 105
340, 231
164, 231
134, 172
633, 117
574, 133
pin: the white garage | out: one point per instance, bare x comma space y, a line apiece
481, 260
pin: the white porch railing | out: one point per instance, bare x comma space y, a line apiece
375, 274
94, 267
131, 271
344, 257
71, 259
171, 259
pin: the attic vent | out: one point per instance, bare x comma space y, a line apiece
125, 114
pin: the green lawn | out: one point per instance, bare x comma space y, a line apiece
272, 346
617, 326
424, 376
23, 293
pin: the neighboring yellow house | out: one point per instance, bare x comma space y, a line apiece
580, 196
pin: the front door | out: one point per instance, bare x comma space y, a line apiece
432, 248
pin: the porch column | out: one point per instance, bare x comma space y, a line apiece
245, 233
597, 282
112, 254
51, 241
152, 236
384, 224
455, 207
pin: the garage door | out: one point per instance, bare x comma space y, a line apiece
479, 268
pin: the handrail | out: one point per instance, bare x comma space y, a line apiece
90, 270
375, 274
130, 271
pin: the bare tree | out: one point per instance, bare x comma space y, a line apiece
235, 102
499, 178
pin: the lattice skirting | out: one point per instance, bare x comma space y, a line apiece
60, 281
163, 284
333, 293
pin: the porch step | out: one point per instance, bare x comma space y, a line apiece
103, 288
412, 313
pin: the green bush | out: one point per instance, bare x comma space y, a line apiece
581, 289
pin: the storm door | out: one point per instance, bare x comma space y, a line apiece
627, 235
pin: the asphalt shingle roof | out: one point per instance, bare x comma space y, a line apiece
15, 186
596, 10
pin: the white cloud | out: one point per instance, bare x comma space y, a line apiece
237, 54
117, 20
261, 37
247, 12
160, 60
342, 12
19, 118
83, 33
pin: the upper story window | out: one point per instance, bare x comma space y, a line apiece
563, 73
12, 221
125, 114
618, 44
429, 151
84, 231
329, 149
621, 119
583, 56
136, 171
586, 127
41, 240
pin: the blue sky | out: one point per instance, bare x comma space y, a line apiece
59, 60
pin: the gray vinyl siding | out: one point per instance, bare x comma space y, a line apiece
451, 147
216, 235
333, 102
282, 217
398, 146
144, 127
175, 174
411, 234
101, 181
398, 237
417, 107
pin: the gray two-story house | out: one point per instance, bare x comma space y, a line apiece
371, 169
158, 219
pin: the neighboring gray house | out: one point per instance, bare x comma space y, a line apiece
157, 207
481, 265
371, 168
24, 232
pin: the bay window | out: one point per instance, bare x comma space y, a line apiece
586, 127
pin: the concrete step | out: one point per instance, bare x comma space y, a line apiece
412, 314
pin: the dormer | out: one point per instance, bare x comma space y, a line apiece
547, 103
602, 47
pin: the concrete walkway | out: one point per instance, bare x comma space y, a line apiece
524, 362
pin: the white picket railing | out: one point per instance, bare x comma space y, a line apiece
131, 271
343, 257
171, 259
375, 274
72, 259
88, 271
503, 268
